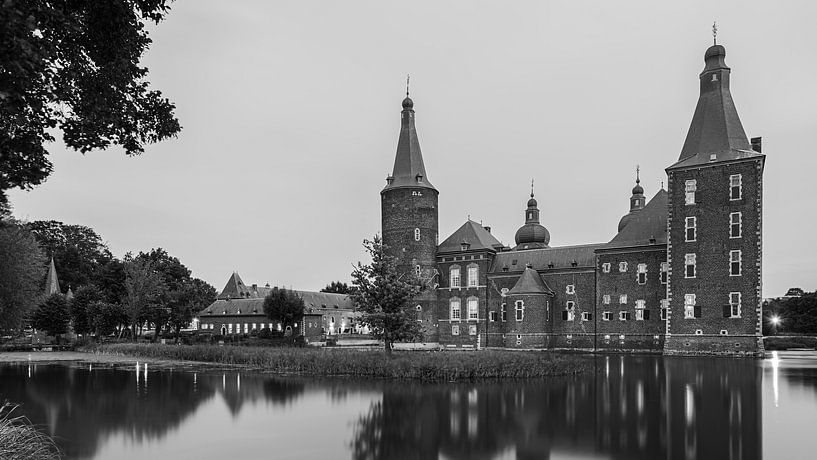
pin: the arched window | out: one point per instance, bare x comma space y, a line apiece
454, 276
419, 309
416, 234
473, 308
456, 312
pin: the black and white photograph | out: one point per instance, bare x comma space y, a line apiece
426, 229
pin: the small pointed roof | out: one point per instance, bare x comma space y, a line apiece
647, 224
472, 233
235, 288
530, 283
715, 128
409, 170
70, 294
52, 283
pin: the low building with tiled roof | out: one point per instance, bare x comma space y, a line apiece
681, 274
240, 309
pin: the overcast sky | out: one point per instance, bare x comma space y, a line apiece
291, 111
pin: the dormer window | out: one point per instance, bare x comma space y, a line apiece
419, 178
389, 180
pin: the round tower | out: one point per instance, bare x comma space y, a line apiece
637, 202
409, 204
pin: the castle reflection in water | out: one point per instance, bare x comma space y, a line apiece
628, 407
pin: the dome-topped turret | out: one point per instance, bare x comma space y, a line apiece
532, 234
637, 201
408, 103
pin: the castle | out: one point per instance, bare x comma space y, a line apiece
681, 276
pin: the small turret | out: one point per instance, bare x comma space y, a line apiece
532, 234
637, 201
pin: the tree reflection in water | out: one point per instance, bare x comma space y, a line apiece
631, 407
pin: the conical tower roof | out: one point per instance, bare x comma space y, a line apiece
409, 169
530, 283
235, 288
52, 283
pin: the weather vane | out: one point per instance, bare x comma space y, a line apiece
531, 188
408, 76
715, 32
637, 174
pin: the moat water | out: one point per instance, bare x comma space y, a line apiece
630, 407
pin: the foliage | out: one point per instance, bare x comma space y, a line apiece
75, 66
78, 251
383, 294
144, 288
80, 305
797, 315
787, 342
284, 306
429, 366
52, 316
337, 287
795, 291
111, 281
20, 440
107, 318
22, 271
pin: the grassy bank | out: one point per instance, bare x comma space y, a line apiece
437, 366
21, 441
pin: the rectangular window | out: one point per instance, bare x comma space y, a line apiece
641, 275
520, 310
473, 305
605, 267
246, 328
735, 225
473, 281
689, 306
664, 272
664, 306
640, 306
690, 187
587, 316
456, 313
492, 315
622, 267
735, 187
734, 304
691, 228
504, 312
690, 262
455, 329
570, 289
623, 315
570, 309
472, 329
735, 263
606, 316
455, 276
605, 299
622, 299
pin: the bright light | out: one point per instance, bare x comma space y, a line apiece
775, 320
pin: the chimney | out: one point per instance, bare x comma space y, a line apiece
255, 288
487, 228
756, 144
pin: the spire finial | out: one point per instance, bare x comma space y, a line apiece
715, 32
637, 174
408, 77
531, 188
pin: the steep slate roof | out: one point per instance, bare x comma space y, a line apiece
650, 222
472, 233
315, 301
235, 288
715, 128
561, 257
52, 283
530, 283
408, 163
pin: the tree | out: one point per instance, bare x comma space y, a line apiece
194, 296
80, 305
78, 251
336, 287
144, 288
284, 306
75, 66
106, 317
383, 295
22, 270
794, 292
52, 316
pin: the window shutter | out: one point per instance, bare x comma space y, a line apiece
727, 311
697, 311
564, 315
590, 317
627, 316
646, 314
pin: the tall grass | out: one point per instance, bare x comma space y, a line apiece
432, 366
19, 440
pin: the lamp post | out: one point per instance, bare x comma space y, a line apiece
775, 323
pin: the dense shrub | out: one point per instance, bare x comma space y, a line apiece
440, 366
785, 343
19, 440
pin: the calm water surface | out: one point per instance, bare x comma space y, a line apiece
631, 407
